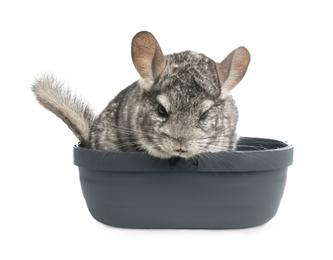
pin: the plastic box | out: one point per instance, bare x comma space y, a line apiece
213, 191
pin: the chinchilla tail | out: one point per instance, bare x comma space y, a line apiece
70, 108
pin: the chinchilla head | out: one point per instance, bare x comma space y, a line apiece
187, 107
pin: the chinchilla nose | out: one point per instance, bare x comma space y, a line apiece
181, 149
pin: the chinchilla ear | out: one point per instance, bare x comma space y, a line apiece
148, 58
232, 69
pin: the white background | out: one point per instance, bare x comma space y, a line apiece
286, 94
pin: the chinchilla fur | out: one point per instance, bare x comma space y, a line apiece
181, 105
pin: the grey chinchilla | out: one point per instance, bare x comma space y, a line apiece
180, 106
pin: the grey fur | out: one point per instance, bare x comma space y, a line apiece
188, 86
70, 108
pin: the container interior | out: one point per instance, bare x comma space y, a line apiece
254, 144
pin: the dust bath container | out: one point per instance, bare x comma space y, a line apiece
237, 189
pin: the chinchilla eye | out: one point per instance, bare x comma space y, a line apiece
204, 115
162, 111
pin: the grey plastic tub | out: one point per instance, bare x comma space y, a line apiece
222, 190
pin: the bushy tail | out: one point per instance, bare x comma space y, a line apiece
68, 107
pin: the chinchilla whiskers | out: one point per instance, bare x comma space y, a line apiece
120, 129
214, 146
209, 137
215, 160
209, 141
129, 131
249, 157
147, 137
126, 144
217, 143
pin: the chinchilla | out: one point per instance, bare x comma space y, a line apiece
181, 105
